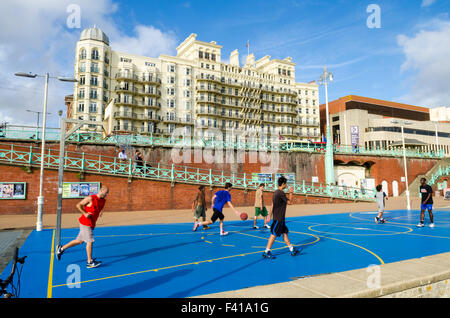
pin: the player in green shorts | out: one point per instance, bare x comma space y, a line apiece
260, 208
199, 206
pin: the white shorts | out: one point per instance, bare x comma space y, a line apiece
86, 234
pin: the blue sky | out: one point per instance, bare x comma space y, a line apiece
404, 61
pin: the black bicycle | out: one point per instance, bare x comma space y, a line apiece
8, 282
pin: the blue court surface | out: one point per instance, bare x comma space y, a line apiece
169, 260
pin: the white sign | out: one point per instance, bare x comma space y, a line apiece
315, 179
402, 179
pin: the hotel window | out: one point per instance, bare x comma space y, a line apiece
81, 93
94, 80
187, 105
200, 54
82, 54
207, 55
94, 67
187, 93
171, 80
81, 107
82, 67
82, 80
187, 82
94, 54
93, 107
188, 71
213, 57
171, 68
93, 94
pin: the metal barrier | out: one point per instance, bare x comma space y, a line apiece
52, 134
84, 162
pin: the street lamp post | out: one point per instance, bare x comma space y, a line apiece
329, 163
408, 201
40, 199
437, 139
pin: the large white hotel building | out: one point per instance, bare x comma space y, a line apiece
193, 89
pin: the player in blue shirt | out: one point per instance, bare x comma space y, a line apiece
219, 199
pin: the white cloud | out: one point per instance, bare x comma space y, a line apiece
34, 37
148, 41
427, 54
426, 3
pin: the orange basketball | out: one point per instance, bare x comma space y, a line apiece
244, 216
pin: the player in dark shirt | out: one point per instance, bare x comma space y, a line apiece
426, 203
278, 211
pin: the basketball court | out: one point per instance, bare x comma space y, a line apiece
169, 260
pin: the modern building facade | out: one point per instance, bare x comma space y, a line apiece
376, 124
195, 89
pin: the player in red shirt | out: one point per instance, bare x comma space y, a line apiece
91, 209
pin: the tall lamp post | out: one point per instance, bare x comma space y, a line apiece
402, 123
40, 199
329, 163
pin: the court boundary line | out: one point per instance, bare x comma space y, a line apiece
50, 274
181, 265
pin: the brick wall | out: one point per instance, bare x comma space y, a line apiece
124, 195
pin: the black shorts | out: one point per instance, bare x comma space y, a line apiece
278, 228
217, 215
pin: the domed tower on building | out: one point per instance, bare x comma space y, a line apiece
93, 72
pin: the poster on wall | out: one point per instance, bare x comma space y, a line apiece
354, 135
447, 193
262, 177
289, 176
75, 190
12, 190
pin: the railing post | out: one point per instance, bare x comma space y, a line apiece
130, 168
198, 175
245, 180
12, 152
171, 173
31, 155
210, 177
82, 161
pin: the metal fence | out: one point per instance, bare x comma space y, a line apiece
53, 134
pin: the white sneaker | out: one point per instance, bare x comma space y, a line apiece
420, 225
256, 227
432, 225
223, 233
267, 226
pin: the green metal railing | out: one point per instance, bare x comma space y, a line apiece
52, 134
441, 172
84, 162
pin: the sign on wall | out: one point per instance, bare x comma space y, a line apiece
354, 135
262, 177
447, 194
75, 190
289, 176
13, 190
